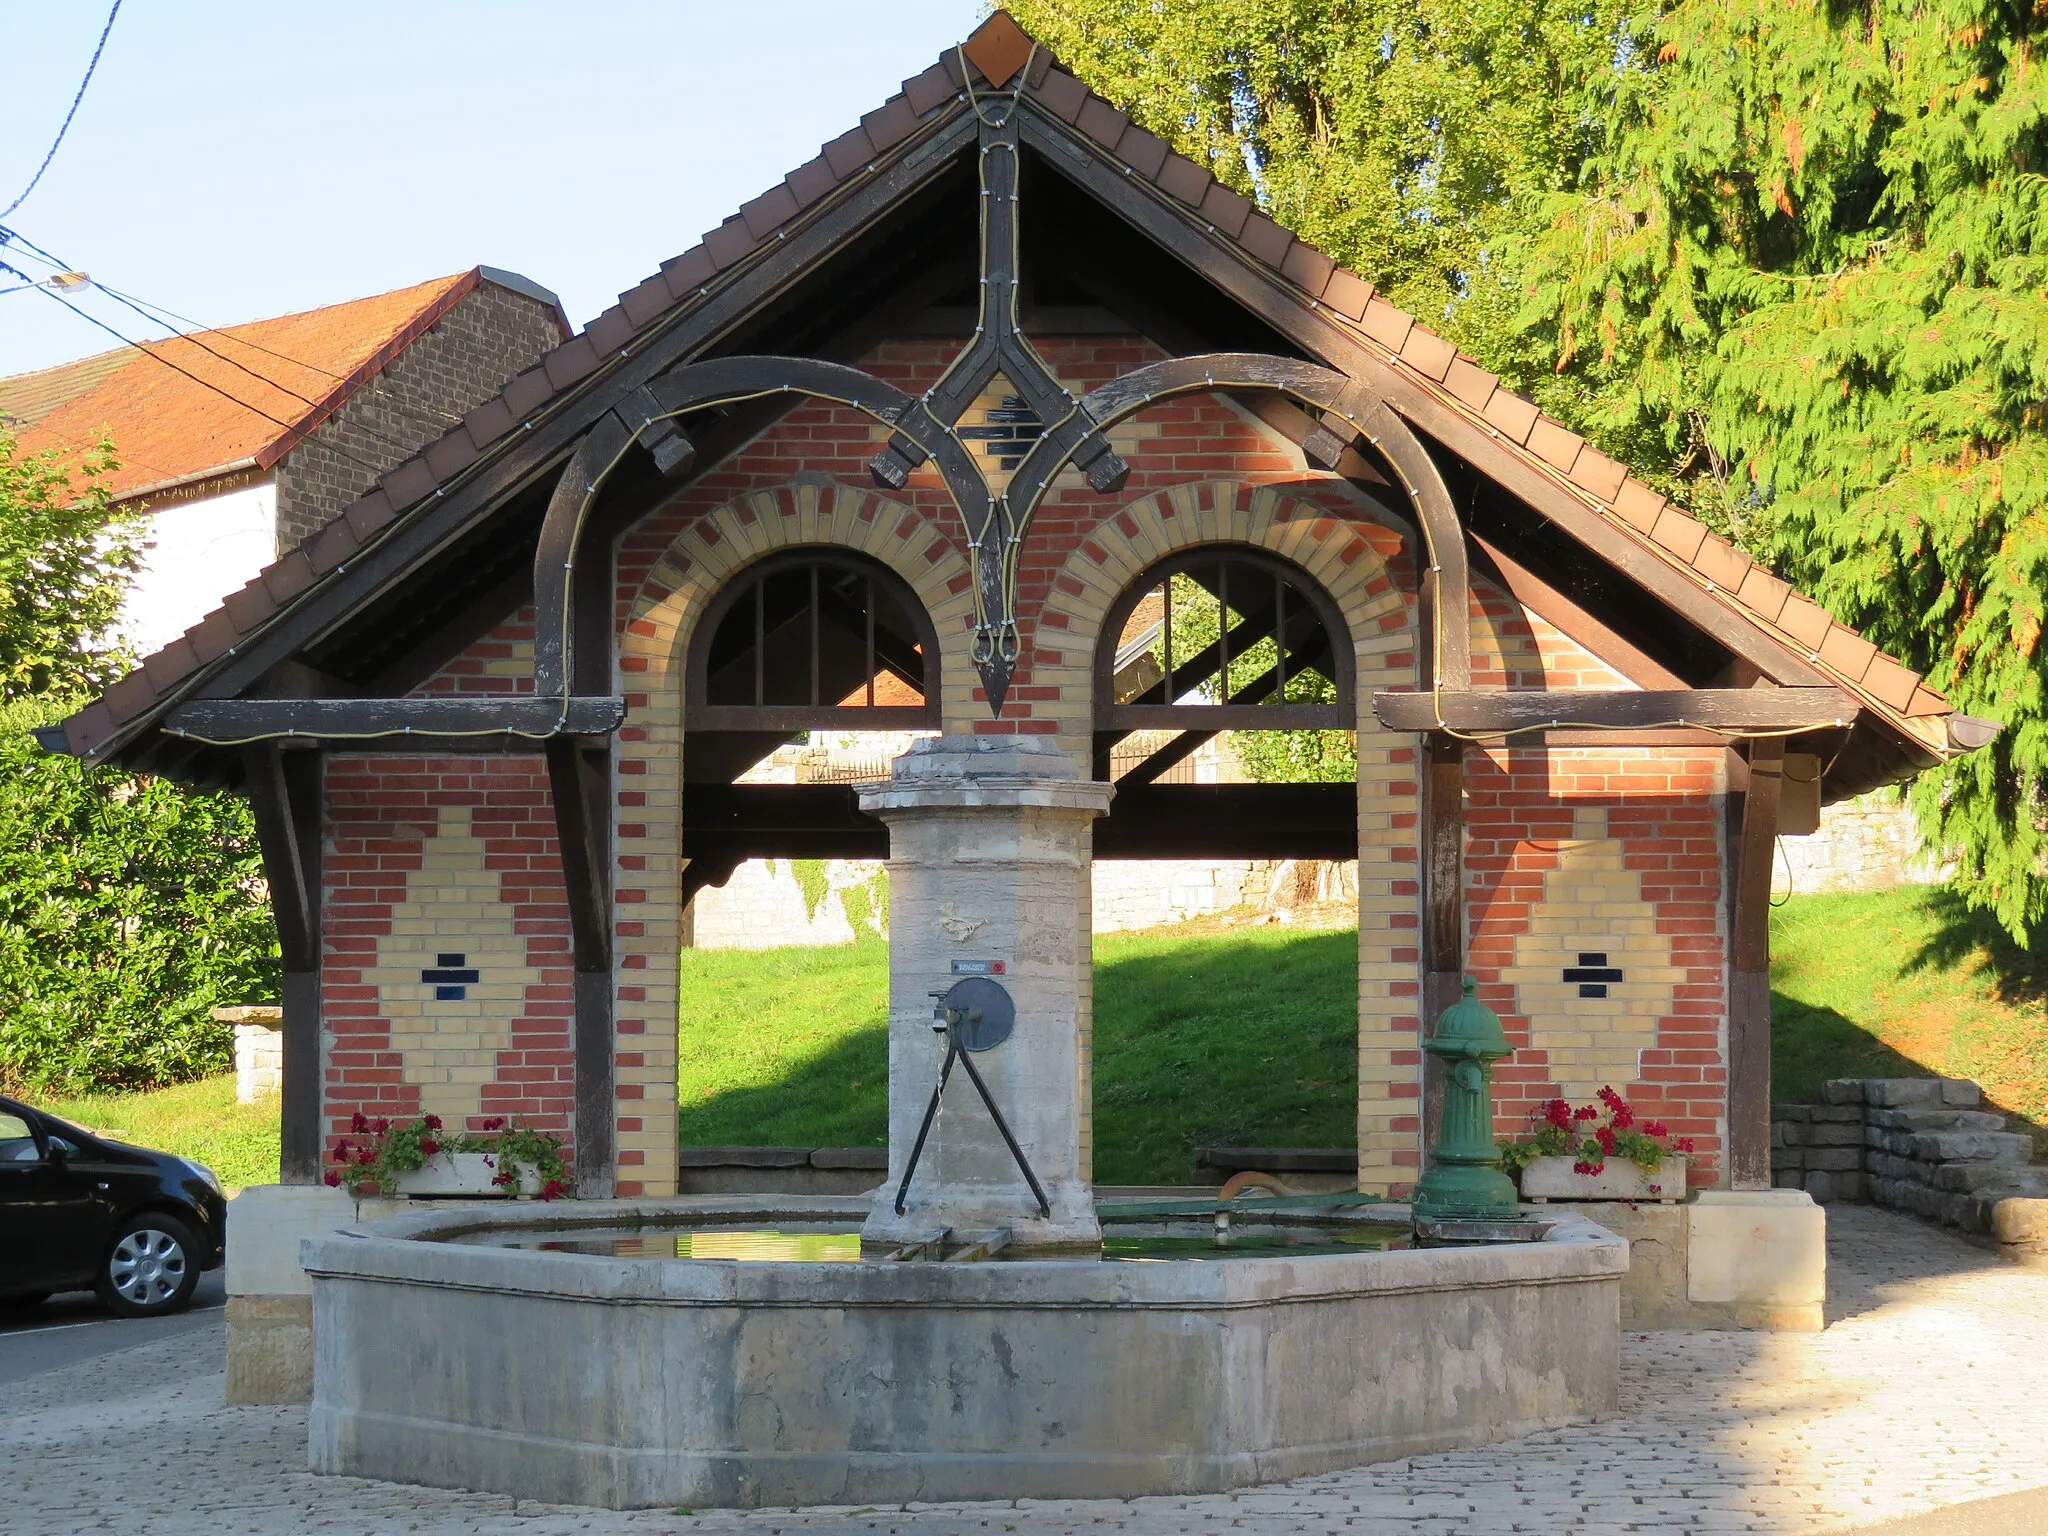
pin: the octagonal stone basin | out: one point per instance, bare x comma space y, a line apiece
640, 1382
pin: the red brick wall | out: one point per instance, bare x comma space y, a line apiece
1663, 808
382, 814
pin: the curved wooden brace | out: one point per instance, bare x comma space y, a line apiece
1447, 582
696, 386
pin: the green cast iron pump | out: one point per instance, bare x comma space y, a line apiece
1463, 1177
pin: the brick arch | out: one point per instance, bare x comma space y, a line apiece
721, 543
661, 615
1332, 551
1344, 558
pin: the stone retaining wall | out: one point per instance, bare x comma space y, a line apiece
1924, 1145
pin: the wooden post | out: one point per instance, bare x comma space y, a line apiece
580, 778
1441, 850
284, 794
1749, 972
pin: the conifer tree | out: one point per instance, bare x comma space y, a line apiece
1787, 259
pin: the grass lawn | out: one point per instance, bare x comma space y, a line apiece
1906, 983
198, 1120
1207, 1034
1241, 1036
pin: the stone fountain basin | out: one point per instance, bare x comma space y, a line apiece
649, 1382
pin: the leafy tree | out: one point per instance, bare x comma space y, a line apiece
1809, 257
66, 557
129, 907
1407, 138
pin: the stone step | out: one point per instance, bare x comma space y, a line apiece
1972, 1147
1993, 1181
1935, 1120
1917, 1092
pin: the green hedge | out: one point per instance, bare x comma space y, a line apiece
129, 909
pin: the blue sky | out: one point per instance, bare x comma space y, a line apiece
236, 159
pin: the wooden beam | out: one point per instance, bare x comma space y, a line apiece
1572, 621
1442, 854
1166, 759
1727, 709
235, 722
1749, 972
580, 778
1231, 821
577, 776
285, 798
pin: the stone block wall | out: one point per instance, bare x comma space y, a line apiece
1923, 1145
1870, 843
486, 337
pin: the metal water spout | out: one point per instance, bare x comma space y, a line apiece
1464, 1178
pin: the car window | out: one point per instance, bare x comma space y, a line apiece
17, 1145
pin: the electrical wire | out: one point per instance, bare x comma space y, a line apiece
404, 448
94, 64
195, 378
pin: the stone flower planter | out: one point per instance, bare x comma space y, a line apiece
1551, 1178
459, 1174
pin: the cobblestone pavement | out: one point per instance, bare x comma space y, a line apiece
1929, 1389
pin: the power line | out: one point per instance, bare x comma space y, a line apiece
404, 449
157, 314
75, 100
188, 373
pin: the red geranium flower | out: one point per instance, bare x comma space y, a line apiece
495, 1123
341, 1153
365, 1157
333, 1179
1609, 1097
1685, 1144
383, 1127
1655, 1129
1605, 1136
1624, 1117
429, 1147
358, 1123
1585, 1112
1558, 1113
554, 1189
431, 1122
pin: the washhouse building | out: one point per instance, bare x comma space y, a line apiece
999, 417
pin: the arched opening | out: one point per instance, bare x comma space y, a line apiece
1225, 878
808, 673
1219, 640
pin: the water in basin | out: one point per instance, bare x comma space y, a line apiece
793, 1244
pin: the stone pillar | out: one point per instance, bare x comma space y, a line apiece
988, 875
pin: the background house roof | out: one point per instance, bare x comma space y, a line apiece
272, 382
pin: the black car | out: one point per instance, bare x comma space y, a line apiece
79, 1211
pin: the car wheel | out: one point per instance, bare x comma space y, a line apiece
152, 1267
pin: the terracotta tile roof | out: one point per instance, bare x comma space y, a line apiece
167, 428
1749, 594
28, 397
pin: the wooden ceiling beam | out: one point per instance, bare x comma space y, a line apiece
1763, 710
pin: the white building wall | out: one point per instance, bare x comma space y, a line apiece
199, 552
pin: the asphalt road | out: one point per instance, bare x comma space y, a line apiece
72, 1327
